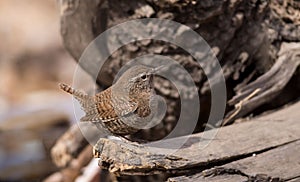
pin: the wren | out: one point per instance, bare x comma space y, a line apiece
125, 107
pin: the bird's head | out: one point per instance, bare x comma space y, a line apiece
138, 78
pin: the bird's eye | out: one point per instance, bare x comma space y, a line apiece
144, 77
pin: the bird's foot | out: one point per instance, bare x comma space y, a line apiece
97, 148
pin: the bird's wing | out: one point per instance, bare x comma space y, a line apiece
107, 111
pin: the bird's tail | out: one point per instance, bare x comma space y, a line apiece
87, 102
76, 93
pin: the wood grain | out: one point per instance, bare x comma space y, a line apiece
231, 143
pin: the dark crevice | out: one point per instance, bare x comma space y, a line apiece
231, 171
292, 178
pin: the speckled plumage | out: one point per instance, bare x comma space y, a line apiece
116, 107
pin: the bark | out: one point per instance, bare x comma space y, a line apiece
68, 146
231, 143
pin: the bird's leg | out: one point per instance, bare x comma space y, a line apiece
97, 148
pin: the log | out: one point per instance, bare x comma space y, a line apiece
74, 168
278, 164
79, 21
282, 162
68, 146
265, 88
231, 143
74, 140
201, 177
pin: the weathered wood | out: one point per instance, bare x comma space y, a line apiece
200, 177
74, 140
68, 146
294, 180
80, 24
281, 163
230, 143
267, 86
70, 173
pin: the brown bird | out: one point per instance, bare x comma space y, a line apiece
125, 107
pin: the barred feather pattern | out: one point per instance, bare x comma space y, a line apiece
101, 109
124, 107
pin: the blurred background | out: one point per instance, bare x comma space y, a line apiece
33, 112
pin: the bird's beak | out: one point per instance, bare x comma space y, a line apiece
155, 70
